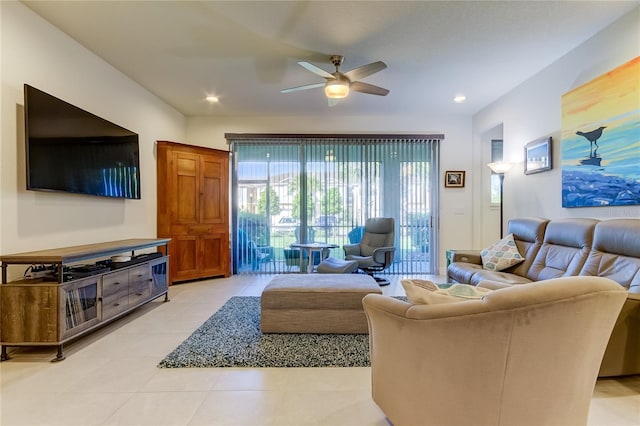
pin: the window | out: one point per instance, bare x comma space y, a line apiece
321, 188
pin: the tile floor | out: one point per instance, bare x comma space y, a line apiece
110, 377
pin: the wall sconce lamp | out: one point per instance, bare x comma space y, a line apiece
500, 168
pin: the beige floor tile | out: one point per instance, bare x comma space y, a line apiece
330, 407
328, 379
231, 408
65, 409
286, 407
316, 379
183, 380
14, 374
252, 379
53, 377
172, 320
158, 408
123, 374
152, 344
111, 377
615, 411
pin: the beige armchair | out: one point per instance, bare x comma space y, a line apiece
523, 355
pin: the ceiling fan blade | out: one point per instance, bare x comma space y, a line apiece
365, 70
305, 87
316, 70
369, 89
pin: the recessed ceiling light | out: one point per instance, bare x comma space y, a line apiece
459, 99
212, 99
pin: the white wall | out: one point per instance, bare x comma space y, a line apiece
36, 53
487, 213
457, 208
533, 110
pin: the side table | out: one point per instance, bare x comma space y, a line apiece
310, 248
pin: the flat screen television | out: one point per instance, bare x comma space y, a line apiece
71, 150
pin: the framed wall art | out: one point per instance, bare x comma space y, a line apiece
537, 156
454, 179
600, 140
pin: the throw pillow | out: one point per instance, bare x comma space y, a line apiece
420, 292
501, 255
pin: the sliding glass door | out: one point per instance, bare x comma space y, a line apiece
322, 189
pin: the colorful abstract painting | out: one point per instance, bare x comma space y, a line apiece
601, 140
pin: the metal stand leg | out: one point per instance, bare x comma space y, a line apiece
310, 263
300, 262
166, 297
60, 355
4, 355
382, 281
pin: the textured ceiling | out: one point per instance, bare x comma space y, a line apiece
246, 52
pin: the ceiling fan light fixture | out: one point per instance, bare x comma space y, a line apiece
336, 89
337, 85
459, 98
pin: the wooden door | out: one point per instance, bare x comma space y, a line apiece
193, 209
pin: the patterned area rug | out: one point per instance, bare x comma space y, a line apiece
232, 338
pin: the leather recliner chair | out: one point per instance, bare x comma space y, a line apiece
375, 251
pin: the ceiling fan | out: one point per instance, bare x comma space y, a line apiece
337, 84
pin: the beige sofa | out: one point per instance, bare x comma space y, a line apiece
573, 247
524, 355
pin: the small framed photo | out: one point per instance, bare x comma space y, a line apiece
454, 179
537, 156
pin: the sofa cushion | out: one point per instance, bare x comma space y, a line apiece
502, 276
501, 255
420, 292
616, 253
564, 250
528, 233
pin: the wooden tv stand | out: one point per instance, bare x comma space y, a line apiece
74, 300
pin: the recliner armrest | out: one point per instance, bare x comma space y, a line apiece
468, 256
383, 255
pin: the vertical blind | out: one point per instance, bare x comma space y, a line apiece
316, 188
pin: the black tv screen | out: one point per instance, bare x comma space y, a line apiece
71, 150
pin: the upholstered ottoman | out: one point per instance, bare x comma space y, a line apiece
316, 303
331, 265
